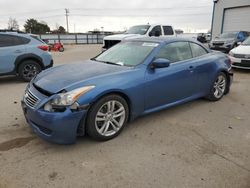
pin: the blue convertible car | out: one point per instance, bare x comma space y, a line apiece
133, 78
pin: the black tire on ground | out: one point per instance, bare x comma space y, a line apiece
61, 49
28, 69
211, 95
91, 117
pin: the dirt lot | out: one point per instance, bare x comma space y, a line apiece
199, 144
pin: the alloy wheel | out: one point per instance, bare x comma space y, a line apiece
110, 118
219, 86
30, 70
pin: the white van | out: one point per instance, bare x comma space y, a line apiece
139, 31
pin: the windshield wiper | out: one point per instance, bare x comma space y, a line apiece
107, 62
112, 63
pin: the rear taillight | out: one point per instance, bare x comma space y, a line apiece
43, 47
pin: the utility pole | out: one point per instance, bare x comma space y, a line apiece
67, 19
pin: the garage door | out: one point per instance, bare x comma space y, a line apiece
237, 19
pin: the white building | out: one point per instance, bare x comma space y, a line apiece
230, 15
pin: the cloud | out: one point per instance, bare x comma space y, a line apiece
110, 14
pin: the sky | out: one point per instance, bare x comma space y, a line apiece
112, 15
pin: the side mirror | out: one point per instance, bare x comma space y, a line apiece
150, 34
160, 63
239, 43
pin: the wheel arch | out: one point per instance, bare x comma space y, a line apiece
115, 92
228, 80
27, 57
81, 130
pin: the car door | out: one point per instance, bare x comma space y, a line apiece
10, 48
168, 30
174, 83
203, 68
156, 31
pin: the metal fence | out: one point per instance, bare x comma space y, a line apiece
74, 38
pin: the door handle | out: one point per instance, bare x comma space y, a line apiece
191, 67
18, 51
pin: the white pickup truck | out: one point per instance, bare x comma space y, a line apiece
139, 31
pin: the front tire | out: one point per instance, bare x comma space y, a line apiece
107, 117
28, 69
219, 87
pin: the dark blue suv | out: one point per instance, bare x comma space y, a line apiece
23, 54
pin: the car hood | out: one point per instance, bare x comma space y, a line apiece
242, 49
123, 36
223, 40
67, 77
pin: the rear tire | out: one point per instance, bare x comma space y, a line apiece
219, 87
61, 49
28, 69
107, 117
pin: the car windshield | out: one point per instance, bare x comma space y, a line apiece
138, 29
228, 35
246, 42
127, 53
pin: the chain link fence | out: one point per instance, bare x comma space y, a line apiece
74, 38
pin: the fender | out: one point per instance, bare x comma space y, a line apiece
28, 56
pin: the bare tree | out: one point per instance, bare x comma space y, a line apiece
13, 24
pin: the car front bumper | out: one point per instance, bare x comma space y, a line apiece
55, 127
240, 63
50, 65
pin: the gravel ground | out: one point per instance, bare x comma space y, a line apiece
198, 144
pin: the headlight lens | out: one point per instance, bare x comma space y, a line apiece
231, 53
67, 99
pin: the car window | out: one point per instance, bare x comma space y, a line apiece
138, 29
176, 51
168, 30
228, 35
37, 38
156, 30
197, 50
10, 40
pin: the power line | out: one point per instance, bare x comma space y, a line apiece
137, 15
105, 9
30, 12
142, 9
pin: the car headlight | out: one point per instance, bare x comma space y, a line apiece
67, 99
231, 53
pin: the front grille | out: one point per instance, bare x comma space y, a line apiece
30, 99
243, 64
241, 56
218, 43
110, 43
